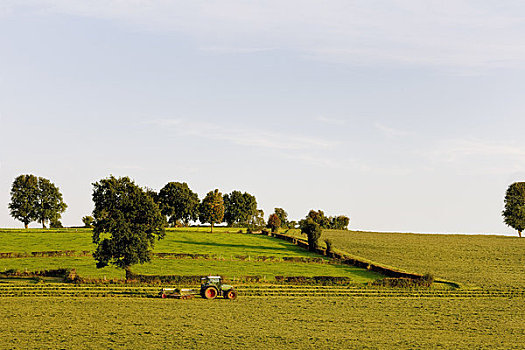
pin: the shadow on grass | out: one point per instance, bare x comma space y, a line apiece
283, 247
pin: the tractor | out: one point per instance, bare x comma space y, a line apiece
212, 287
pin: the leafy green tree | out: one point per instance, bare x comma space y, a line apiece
274, 222
283, 216
88, 221
313, 230
153, 194
319, 218
514, 212
179, 203
50, 203
55, 223
127, 221
257, 221
239, 208
24, 199
211, 209
339, 222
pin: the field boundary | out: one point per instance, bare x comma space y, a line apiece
231, 257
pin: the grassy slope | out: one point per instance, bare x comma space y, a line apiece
223, 245
478, 260
260, 323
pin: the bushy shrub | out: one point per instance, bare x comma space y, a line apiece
88, 221
329, 246
313, 230
404, 282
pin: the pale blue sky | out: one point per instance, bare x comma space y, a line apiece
403, 115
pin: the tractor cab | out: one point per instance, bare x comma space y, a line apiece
212, 286
211, 280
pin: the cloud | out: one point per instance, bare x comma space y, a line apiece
390, 132
466, 35
476, 155
452, 150
245, 136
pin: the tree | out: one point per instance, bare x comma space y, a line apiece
179, 203
153, 194
88, 221
36, 198
239, 208
274, 222
50, 204
127, 222
313, 230
24, 199
319, 218
514, 212
339, 222
283, 216
211, 209
55, 223
257, 221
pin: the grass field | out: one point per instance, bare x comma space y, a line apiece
261, 323
224, 247
475, 260
85, 266
47, 313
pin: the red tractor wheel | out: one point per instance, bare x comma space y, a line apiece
231, 295
210, 293
164, 296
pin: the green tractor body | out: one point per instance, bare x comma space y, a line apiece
212, 287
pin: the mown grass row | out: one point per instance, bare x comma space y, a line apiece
67, 290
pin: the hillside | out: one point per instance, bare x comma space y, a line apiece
475, 260
229, 254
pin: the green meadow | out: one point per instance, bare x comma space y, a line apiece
223, 248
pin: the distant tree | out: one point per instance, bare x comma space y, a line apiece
257, 221
514, 212
127, 221
179, 203
55, 223
88, 221
319, 218
274, 222
313, 230
239, 208
292, 224
283, 216
24, 199
339, 222
211, 209
50, 204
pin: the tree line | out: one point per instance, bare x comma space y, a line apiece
38, 199
127, 219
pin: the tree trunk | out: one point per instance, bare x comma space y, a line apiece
212, 228
43, 223
519, 233
25, 225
